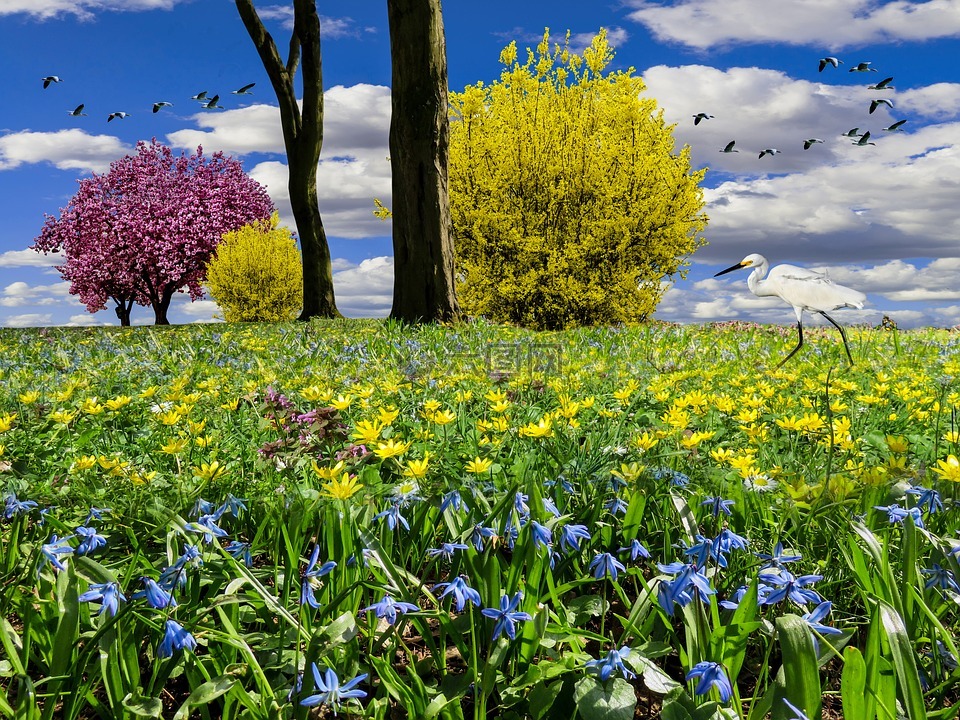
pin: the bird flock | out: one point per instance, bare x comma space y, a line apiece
206, 101
856, 137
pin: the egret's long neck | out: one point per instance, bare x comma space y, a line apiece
756, 284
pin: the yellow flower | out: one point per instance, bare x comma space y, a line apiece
174, 446
812, 423
897, 444
790, 423
63, 417
170, 417
463, 396
417, 468
746, 417
231, 404
90, 406
478, 466
745, 464
500, 407
148, 392
6, 421
107, 463
210, 471
948, 469
544, 428
328, 473
624, 393
202, 440
442, 417
29, 397
628, 472
196, 427
953, 436
695, 438
118, 402
391, 448
645, 441
341, 402
85, 462
315, 393
495, 396
367, 431
676, 417
430, 406
724, 404
342, 487
387, 415
721, 455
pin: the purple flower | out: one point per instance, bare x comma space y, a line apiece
207, 526
929, 498
107, 594
311, 578
798, 714
612, 663
462, 593
606, 564
711, 675
897, 514
175, 638
507, 616
388, 608
550, 507
232, 505
96, 514
331, 692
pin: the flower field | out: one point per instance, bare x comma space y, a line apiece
363, 519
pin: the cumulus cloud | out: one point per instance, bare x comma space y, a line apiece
83, 9
28, 258
579, 41
703, 24
28, 320
940, 101
66, 149
365, 290
330, 27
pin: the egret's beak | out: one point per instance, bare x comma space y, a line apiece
730, 269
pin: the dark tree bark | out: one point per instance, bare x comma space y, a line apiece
124, 306
423, 288
303, 138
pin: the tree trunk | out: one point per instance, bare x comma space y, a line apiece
423, 288
303, 139
123, 310
162, 305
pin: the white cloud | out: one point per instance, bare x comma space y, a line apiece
940, 101
85, 320
365, 290
28, 320
616, 36
84, 9
66, 149
28, 258
704, 24
330, 27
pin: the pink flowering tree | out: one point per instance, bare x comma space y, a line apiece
147, 228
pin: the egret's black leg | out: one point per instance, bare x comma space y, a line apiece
842, 334
794, 351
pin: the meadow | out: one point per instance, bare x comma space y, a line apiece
365, 519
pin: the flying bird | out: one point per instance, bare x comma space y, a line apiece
864, 139
211, 104
49, 79
862, 67
245, 90
801, 288
701, 116
853, 132
768, 151
882, 85
161, 104
874, 104
829, 61
807, 144
200, 96
895, 127
728, 148
121, 115
78, 111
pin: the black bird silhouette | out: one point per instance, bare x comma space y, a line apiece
245, 90
77, 111
701, 116
882, 85
829, 61
49, 79
728, 148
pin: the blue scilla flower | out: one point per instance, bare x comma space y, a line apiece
520, 504
90, 540
388, 609
777, 560
207, 526
156, 596
232, 505
689, 582
542, 535
393, 516
718, 506
13, 506
613, 662
446, 550
461, 592
52, 551
940, 577
789, 586
96, 514
311, 578
728, 540
550, 507
814, 620
636, 550
330, 691
616, 506
479, 534
606, 564
701, 551
711, 675
510, 533
107, 594
201, 507
926, 498
453, 500
175, 638
795, 712
507, 616
897, 514
240, 550
676, 478
571, 535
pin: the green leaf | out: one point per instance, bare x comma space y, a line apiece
901, 649
654, 678
143, 707
613, 700
800, 669
542, 697
853, 683
204, 694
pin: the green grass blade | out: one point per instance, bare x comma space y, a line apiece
901, 649
800, 668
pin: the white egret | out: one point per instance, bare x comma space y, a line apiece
803, 289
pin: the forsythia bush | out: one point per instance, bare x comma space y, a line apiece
569, 205
256, 273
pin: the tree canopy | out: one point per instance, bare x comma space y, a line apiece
148, 227
570, 206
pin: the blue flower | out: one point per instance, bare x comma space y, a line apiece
636, 550
175, 638
940, 577
777, 559
929, 498
462, 593
311, 578
155, 595
792, 587
701, 552
606, 564
728, 540
54, 549
240, 550
201, 507
107, 594
612, 663
233, 505
446, 550
689, 582
389, 608
507, 616
13, 506
542, 535
479, 534
520, 504
96, 514
550, 506
571, 535
91, 540
331, 692
718, 505
677, 479
798, 714
897, 514
616, 506
452, 500
711, 675
207, 526
813, 618
393, 516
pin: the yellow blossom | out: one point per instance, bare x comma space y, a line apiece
746, 417
90, 406
209, 471
897, 444
499, 424
62, 417
174, 446
495, 396
391, 448
812, 423
790, 423
463, 396
202, 441
645, 441
231, 405
328, 473
196, 427
343, 487
628, 472
341, 403
29, 397
315, 393
430, 406
478, 465
114, 404
84, 462
605, 413
676, 417
544, 428
695, 438
442, 417
948, 469
722, 455
6, 421
387, 415
724, 404
500, 407
745, 464
952, 436
149, 392
170, 417
367, 431
417, 468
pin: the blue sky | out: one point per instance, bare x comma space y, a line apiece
882, 218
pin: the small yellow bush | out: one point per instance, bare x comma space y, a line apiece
256, 273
